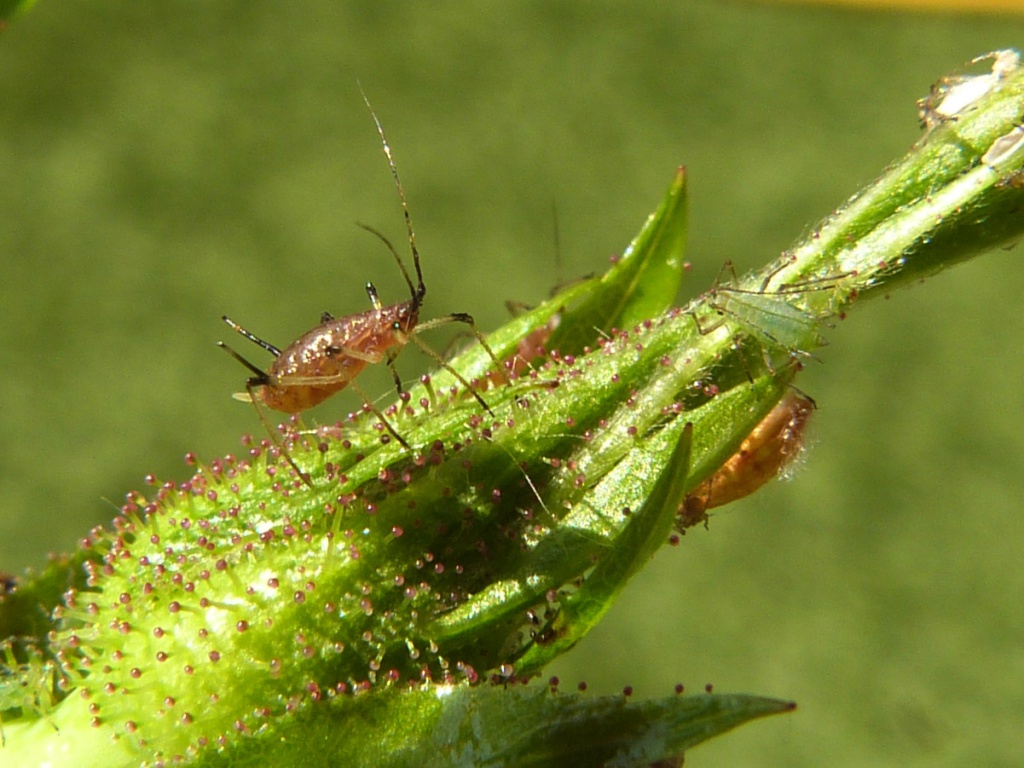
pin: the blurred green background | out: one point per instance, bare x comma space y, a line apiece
163, 164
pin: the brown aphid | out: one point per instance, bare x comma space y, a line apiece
775, 442
328, 358
531, 347
8, 582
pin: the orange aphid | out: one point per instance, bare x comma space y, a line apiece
775, 442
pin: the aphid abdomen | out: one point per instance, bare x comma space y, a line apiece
769, 318
764, 454
296, 399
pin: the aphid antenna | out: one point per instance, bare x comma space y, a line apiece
421, 288
529, 480
730, 285
417, 292
556, 235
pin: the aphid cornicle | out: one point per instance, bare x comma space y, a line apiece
327, 358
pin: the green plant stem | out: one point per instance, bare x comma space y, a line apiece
243, 610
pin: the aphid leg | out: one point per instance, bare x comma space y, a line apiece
712, 295
394, 371
516, 308
256, 371
259, 378
704, 330
467, 319
710, 321
737, 338
457, 317
728, 269
284, 382
249, 385
693, 510
377, 412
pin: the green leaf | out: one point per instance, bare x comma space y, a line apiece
486, 726
642, 284
652, 523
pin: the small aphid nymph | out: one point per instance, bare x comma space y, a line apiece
766, 314
328, 358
